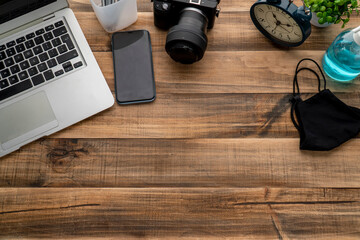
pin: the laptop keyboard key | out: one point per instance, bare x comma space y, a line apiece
58, 73
5, 73
59, 31
67, 64
15, 69
48, 36
43, 57
37, 50
9, 62
28, 54
2, 55
39, 40
2, 47
24, 65
13, 79
20, 40
53, 53
29, 44
39, 32
67, 40
34, 61
56, 42
78, 64
38, 79
59, 23
13, 90
51, 63
68, 69
10, 52
50, 27
2, 65
30, 35
32, 71
42, 67
20, 48
18, 58
67, 56
46, 46
48, 75
4, 84
61, 49
11, 44
23, 75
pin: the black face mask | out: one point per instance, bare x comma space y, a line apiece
323, 121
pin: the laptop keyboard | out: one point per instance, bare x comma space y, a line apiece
36, 58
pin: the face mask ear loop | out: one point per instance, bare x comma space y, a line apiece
293, 116
294, 100
312, 60
296, 97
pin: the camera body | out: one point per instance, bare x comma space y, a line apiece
167, 12
188, 20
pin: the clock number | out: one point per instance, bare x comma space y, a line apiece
269, 8
261, 10
261, 19
280, 34
297, 34
288, 37
273, 31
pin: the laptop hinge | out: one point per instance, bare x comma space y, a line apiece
48, 17
30, 24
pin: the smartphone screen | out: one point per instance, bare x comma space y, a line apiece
133, 67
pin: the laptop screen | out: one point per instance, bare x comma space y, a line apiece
10, 9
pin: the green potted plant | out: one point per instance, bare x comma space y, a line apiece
327, 12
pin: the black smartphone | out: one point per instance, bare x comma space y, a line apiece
133, 67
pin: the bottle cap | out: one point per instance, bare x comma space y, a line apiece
356, 35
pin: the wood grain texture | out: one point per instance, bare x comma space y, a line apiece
179, 163
214, 157
233, 72
233, 31
180, 213
197, 116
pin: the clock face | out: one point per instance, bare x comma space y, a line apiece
278, 23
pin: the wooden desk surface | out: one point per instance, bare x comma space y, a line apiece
215, 156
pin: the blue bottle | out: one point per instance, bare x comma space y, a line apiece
341, 61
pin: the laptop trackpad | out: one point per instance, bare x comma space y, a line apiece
26, 119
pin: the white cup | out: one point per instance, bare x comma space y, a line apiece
116, 16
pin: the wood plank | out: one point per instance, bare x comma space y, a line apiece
179, 163
146, 5
233, 72
233, 31
180, 213
197, 116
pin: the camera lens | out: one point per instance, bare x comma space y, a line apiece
187, 41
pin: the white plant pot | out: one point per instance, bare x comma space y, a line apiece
315, 22
116, 16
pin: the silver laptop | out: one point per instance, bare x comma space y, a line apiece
49, 78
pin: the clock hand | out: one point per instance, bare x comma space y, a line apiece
277, 21
284, 28
275, 16
288, 25
276, 27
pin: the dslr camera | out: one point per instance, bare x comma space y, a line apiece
188, 20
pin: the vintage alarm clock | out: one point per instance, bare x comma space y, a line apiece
282, 21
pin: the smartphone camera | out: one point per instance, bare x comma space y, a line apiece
188, 21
